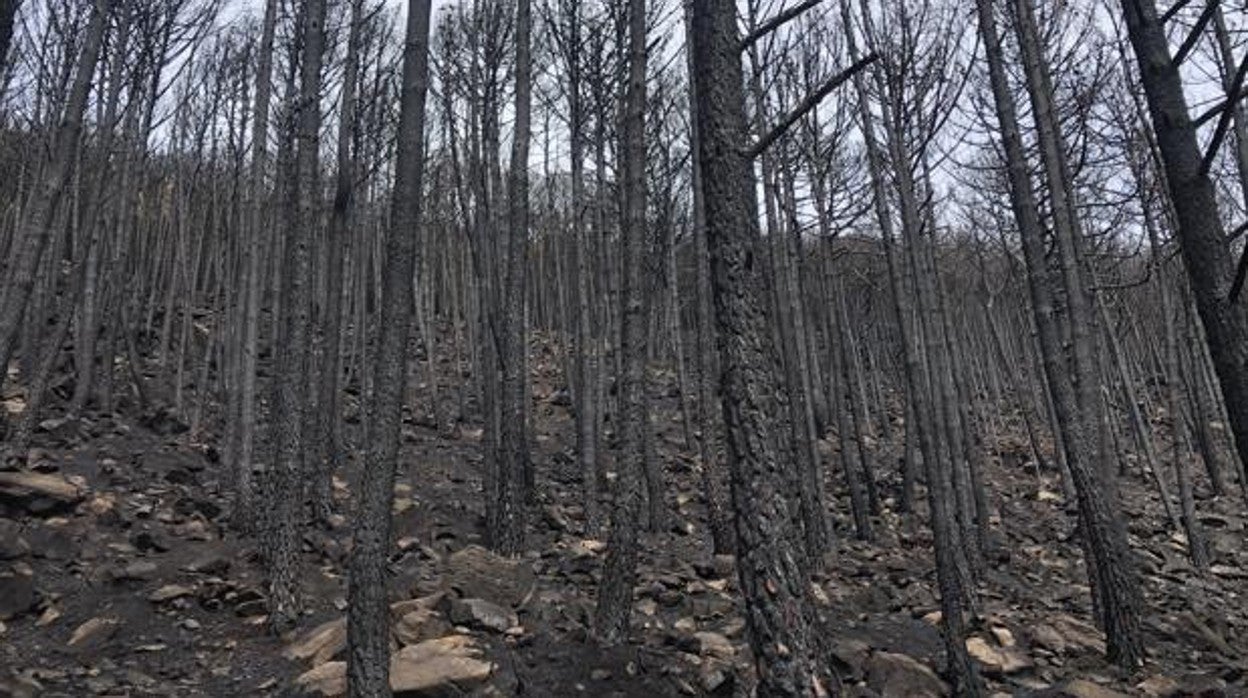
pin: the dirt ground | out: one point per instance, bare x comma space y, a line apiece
127, 581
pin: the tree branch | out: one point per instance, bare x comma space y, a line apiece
807, 104
1213, 111
1240, 272
1224, 120
1190, 42
1170, 13
775, 23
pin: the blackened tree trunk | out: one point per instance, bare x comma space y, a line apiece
1113, 578
243, 409
615, 597
285, 494
710, 423
368, 625
31, 236
771, 564
1205, 248
505, 506
327, 448
8, 13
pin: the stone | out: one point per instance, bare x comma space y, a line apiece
997, 660
328, 679
479, 613
1082, 688
12, 544
449, 665
321, 644
170, 592
17, 594
714, 645
94, 632
33, 487
419, 625
851, 656
209, 563
896, 675
138, 570
478, 573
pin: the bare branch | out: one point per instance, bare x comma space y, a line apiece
1224, 120
809, 103
775, 23
1218, 108
1192, 38
1170, 13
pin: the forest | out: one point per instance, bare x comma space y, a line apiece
864, 348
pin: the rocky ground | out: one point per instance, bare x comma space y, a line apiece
119, 576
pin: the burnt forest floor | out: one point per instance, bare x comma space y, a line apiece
119, 575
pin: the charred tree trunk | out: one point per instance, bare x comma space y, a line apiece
368, 629
771, 564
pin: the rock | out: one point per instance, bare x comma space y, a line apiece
147, 541
997, 660
251, 608
896, 675
716, 679
170, 592
1063, 633
12, 544
321, 644
449, 665
1081, 688
1200, 686
419, 625
139, 570
478, 573
850, 656
714, 645
17, 594
41, 492
328, 679
210, 563
479, 613
94, 632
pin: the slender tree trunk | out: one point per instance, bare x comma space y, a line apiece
291, 376
1112, 574
327, 447
1205, 248
368, 624
615, 596
710, 424
245, 400
505, 504
53, 181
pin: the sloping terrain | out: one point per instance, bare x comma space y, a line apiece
119, 576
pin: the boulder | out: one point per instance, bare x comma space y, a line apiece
451, 665
40, 492
896, 675
419, 625
478, 573
328, 679
320, 644
479, 613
